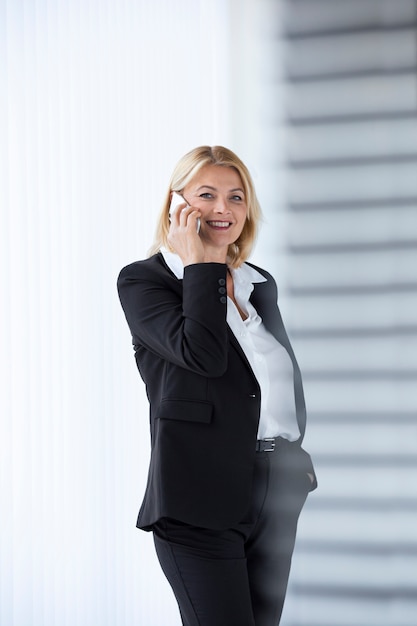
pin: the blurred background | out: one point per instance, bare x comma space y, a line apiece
98, 100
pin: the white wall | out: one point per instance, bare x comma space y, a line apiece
97, 102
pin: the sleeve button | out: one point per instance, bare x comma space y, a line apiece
222, 290
222, 281
223, 299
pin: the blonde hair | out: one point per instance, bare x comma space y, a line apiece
185, 170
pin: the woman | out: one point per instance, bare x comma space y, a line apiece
227, 476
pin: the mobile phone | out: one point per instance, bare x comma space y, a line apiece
177, 199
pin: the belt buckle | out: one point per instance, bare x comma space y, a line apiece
271, 446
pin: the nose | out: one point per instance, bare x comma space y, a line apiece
221, 205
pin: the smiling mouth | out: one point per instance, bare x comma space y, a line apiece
223, 225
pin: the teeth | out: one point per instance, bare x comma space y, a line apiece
220, 224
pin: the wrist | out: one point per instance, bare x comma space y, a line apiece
192, 260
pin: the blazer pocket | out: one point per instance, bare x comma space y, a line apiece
185, 411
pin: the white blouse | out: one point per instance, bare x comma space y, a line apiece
269, 360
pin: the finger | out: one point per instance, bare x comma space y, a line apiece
175, 212
184, 213
189, 217
194, 216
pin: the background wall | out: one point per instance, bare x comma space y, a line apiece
98, 100
350, 121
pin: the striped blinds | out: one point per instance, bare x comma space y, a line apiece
350, 91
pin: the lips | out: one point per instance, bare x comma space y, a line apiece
215, 224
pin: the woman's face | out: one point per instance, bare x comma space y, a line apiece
217, 191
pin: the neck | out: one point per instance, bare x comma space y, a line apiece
215, 255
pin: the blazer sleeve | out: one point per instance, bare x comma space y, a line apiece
184, 324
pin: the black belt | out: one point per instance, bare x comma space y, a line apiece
270, 444
267, 445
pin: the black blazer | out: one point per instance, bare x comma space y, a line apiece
204, 398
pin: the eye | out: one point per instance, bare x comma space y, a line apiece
237, 198
206, 195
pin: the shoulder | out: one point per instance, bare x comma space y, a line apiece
152, 266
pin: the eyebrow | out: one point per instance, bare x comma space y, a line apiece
214, 188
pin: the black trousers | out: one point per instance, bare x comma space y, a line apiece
239, 576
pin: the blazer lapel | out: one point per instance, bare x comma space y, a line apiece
241, 353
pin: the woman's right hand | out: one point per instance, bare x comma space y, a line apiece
183, 237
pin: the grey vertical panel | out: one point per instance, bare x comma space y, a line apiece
351, 127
